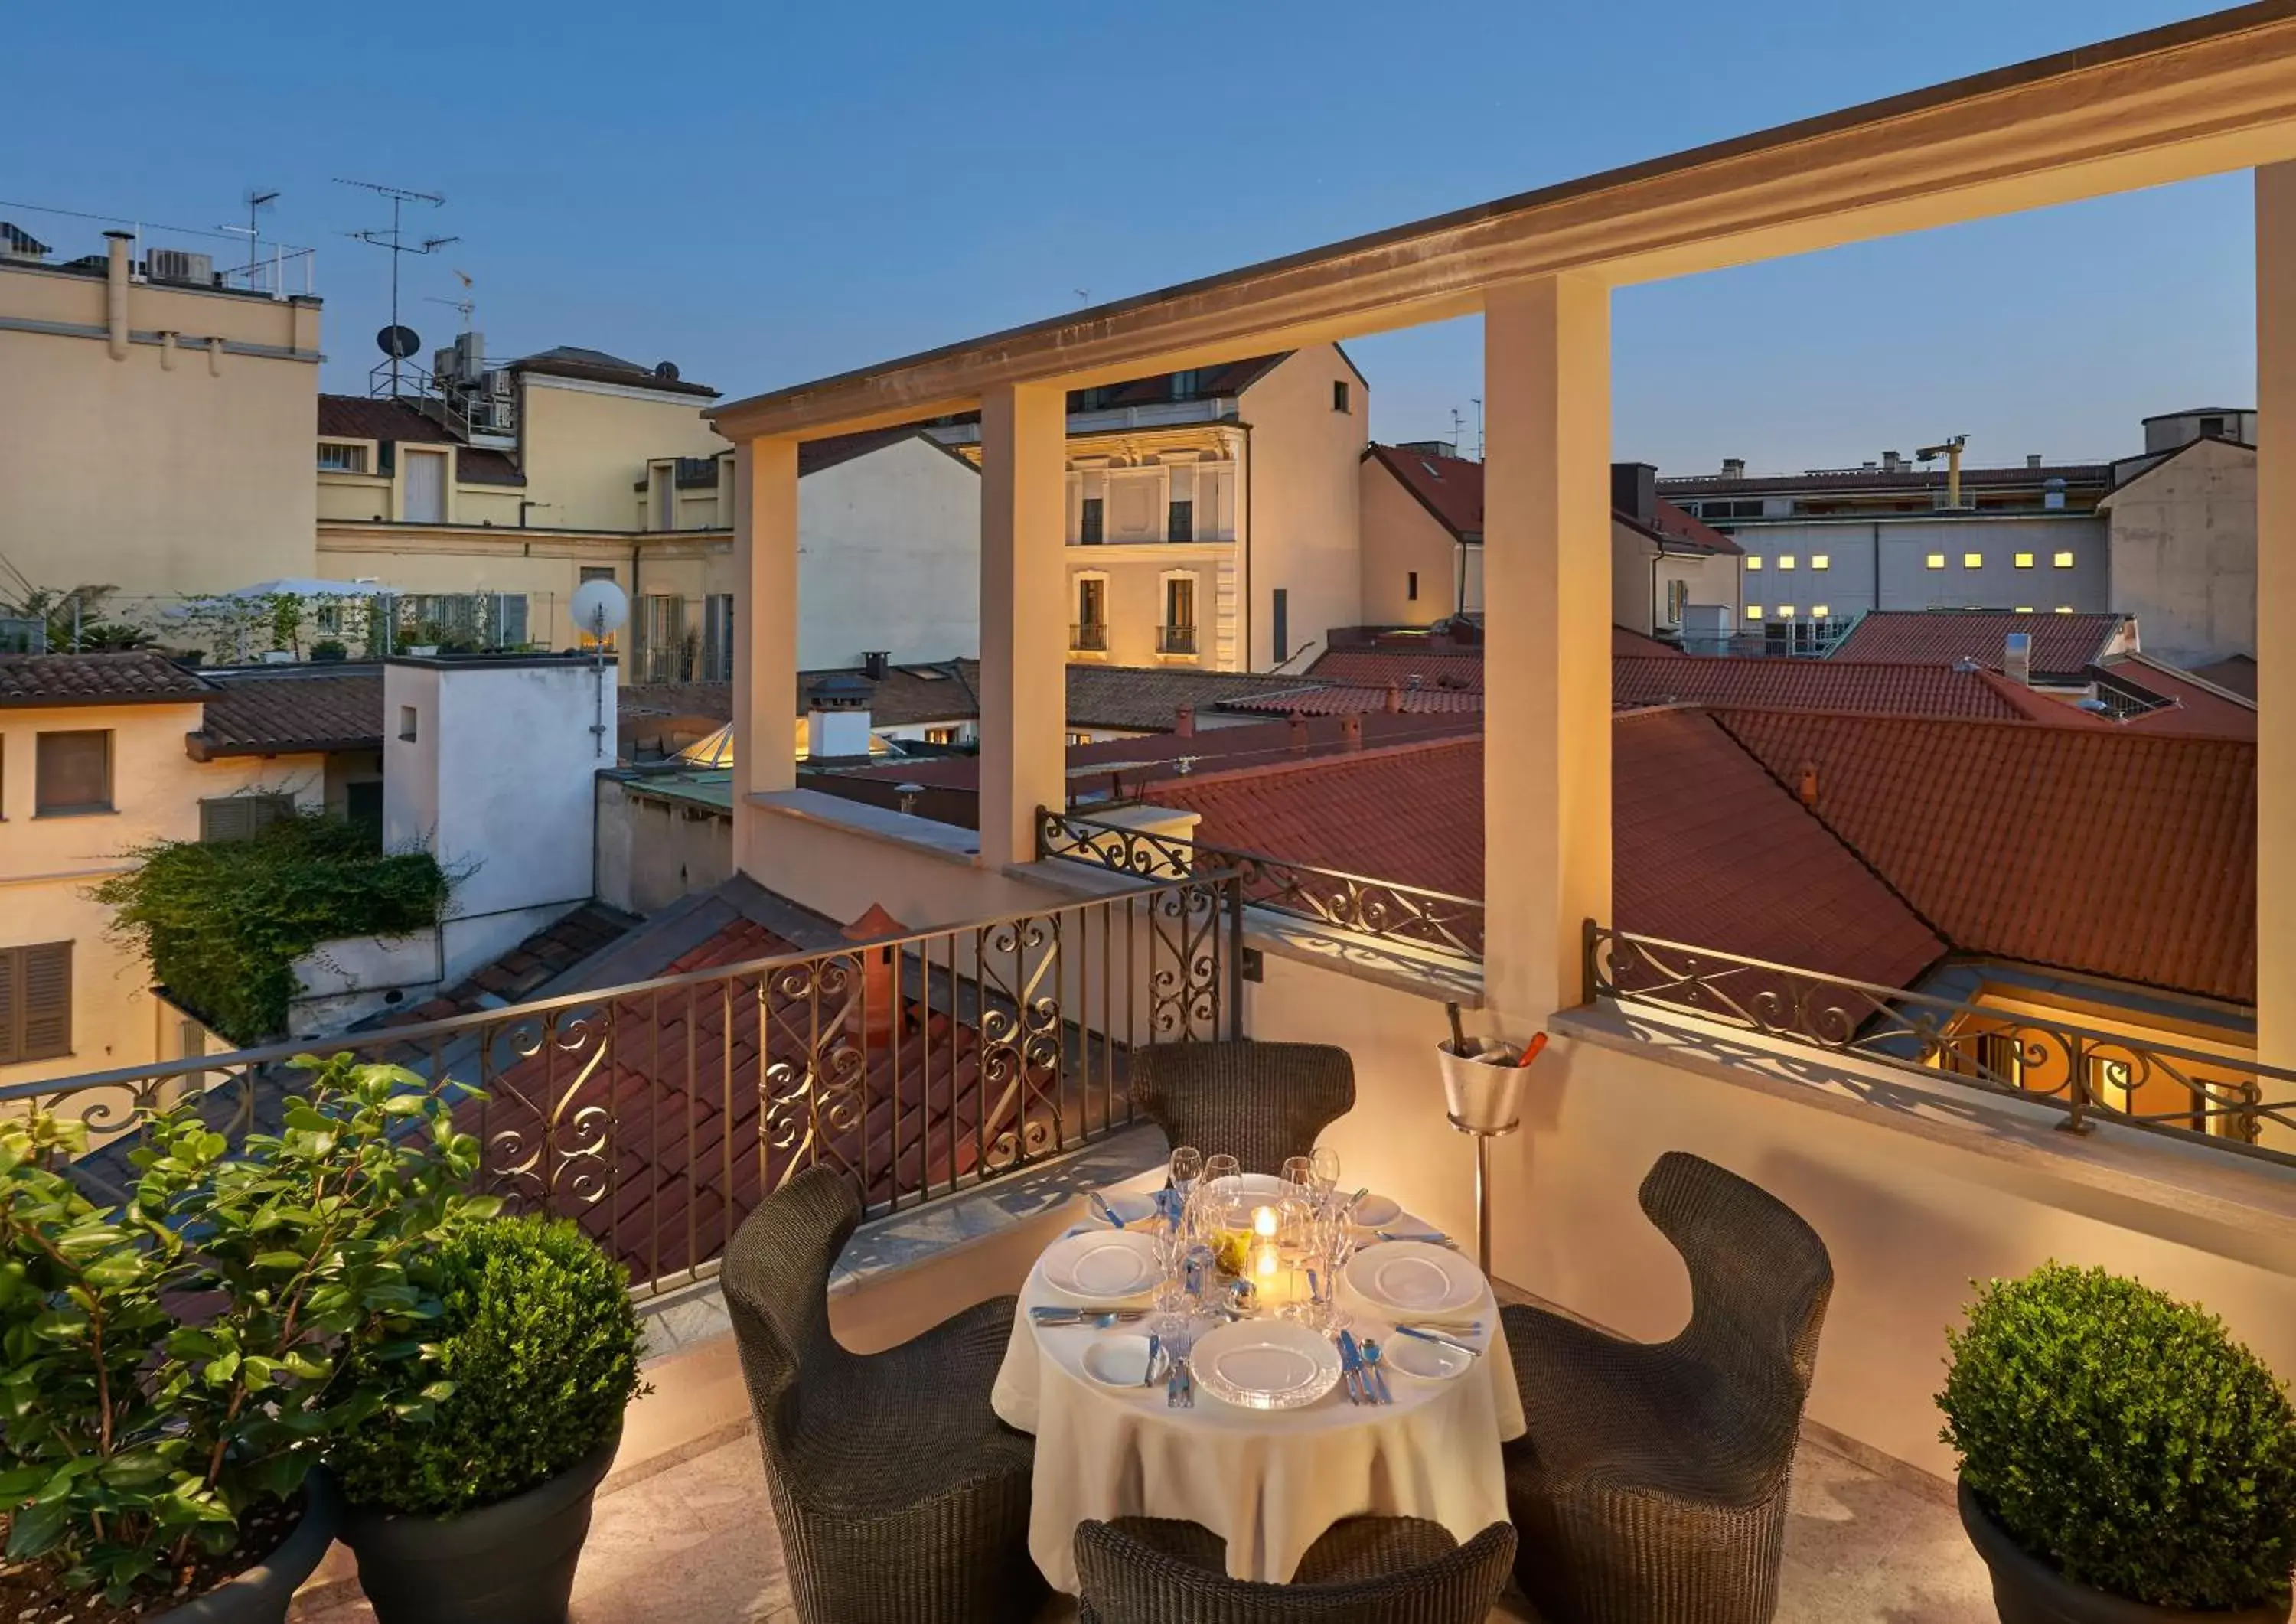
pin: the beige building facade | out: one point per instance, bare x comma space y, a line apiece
2181, 536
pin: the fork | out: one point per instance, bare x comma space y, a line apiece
1378, 1376
1351, 1369
1180, 1385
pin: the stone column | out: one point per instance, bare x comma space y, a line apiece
1023, 617
764, 632
1546, 661
2276, 601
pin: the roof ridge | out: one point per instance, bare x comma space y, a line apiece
1335, 759
2117, 734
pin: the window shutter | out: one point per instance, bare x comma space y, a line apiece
47, 1000
12, 1004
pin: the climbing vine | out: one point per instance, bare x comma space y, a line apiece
222, 923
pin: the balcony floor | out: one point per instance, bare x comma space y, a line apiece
683, 1547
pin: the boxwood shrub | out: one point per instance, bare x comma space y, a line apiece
2125, 1438
538, 1348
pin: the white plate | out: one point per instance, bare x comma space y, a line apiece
1265, 1364
1377, 1212
1101, 1265
1421, 1358
1131, 1209
1414, 1278
1263, 1184
1119, 1361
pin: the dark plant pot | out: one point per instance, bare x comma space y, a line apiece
2027, 1590
329, 656
259, 1595
510, 1562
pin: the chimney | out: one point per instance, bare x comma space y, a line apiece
116, 270
2032, 459
837, 719
1633, 489
876, 663
881, 992
1299, 733
1734, 467
1351, 732
1809, 788
1184, 721
2017, 658
1892, 462
1394, 698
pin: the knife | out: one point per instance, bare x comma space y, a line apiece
1352, 1367
1430, 1336
1099, 1204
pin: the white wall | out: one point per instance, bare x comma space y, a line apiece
888, 557
1900, 550
2183, 554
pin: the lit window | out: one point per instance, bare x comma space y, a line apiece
1819, 612
2024, 560
1785, 611
1753, 612
1973, 560
1753, 564
2063, 560
1821, 561
2024, 609
1936, 561
2064, 609
1785, 560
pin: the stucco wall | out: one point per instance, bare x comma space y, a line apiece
888, 557
586, 446
1135, 578
2182, 545
197, 478
1400, 536
651, 852
1303, 499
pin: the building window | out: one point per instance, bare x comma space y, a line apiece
2213, 426
1092, 523
2023, 561
1411, 585
1973, 560
1785, 560
408, 730
2063, 560
1184, 384
1177, 635
74, 772
941, 736
1820, 611
2064, 609
1754, 565
35, 1002
597, 572
342, 459
1785, 611
1281, 617
1753, 612
1090, 630
362, 806
1821, 561
241, 817
1936, 561
1340, 397
1677, 599
1180, 521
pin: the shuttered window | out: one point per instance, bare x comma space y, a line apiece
35, 1002
74, 772
239, 817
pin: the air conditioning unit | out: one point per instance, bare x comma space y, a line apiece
442, 367
470, 358
174, 265
500, 384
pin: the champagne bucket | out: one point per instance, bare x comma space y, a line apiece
1483, 1092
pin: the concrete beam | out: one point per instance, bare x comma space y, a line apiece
1023, 618
765, 644
2276, 601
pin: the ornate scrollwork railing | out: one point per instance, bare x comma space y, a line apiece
2222, 1098
657, 1114
1353, 902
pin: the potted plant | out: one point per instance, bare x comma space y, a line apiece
330, 650
2123, 1460
174, 1367
477, 1515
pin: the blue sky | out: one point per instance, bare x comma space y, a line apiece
769, 193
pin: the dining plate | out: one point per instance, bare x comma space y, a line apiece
1101, 1265
1132, 1208
1421, 1358
1253, 1185
1265, 1364
1415, 1278
1119, 1361
1376, 1211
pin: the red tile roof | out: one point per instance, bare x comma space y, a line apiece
2236, 674
290, 711
2062, 644
1451, 489
2196, 707
2101, 851
1363, 701
135, 677
362, 417
1631, 643
1866, 688
1376, 668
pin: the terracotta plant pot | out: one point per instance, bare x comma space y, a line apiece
510, 1562
2027, 1590
259, 1595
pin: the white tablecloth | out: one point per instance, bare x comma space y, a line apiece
1270, 1482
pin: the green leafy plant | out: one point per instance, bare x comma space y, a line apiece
2125, 1438
222, 923
536, 1353
330, 648
174, 1363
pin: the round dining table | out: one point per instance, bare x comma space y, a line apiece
1270, 1482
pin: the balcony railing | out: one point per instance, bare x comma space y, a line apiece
1176, 639
1434, 921
2228, 1102
1090, 636
657, 1114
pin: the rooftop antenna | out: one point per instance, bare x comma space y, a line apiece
255, 200
1477, 402
464, 304
1457, 420
399, 196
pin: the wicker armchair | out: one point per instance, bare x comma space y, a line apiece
1258, 1103
1652, 1485
900, 1498
1365, 1571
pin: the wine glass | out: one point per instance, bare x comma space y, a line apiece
1187, 1168
1299, 1179
1323, 1168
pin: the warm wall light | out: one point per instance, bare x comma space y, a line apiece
2024, 560
2064, 561
1973, 560
1786, 560
1753, 612
1936, 561
1754, 563
1821, 561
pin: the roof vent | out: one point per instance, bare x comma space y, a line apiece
1734, 467
2032, 459
2017, 658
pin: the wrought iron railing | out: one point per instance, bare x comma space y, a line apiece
2091, 1074
658, 1113
1176, 639
1091, 635
1435, 920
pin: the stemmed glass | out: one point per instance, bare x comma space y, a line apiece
1299, 1179
1218, 1168
1187, 1168
1331, 1242
1323, 1169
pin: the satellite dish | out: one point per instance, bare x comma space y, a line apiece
667, 371
600, 608
399, 342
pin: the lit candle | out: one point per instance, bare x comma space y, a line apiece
1263, 1222
1264, 1263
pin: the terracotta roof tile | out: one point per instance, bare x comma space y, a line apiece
281, 711
2195, 707
1376, 668
2062, 644
1868, 687
362, 417
1451, 489
2235, 675
1362, 701
1147, 697
129, 678
2103, 850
